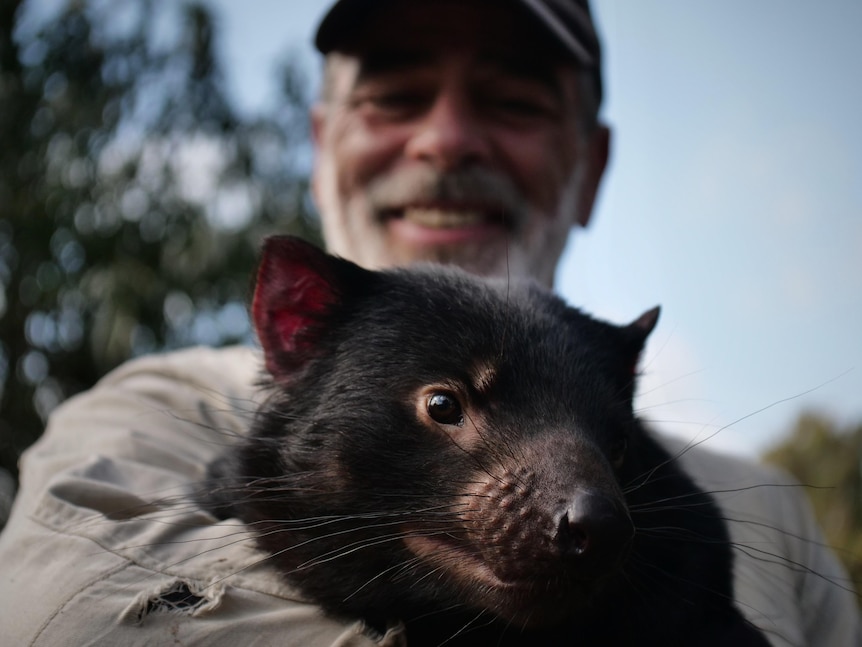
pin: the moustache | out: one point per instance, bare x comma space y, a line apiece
474, 188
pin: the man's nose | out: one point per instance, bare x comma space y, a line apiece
449, 135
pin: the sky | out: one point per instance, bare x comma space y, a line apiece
733, 199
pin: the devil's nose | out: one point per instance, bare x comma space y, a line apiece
593, 533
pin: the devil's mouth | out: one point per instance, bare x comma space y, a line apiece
524, 602
465, 564
450, 216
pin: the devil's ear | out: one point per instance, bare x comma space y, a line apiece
640, 328
299, 287
637, 332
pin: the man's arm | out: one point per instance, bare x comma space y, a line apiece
104, 545
787, 581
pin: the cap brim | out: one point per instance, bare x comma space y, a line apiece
345, 17
568, 21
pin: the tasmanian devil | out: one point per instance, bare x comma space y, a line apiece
461, 455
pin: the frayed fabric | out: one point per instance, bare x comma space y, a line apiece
181, 597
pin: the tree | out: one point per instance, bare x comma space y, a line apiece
829, 460
133, 196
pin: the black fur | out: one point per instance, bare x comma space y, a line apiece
553, 516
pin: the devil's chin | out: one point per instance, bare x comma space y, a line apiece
534, 605
542, 601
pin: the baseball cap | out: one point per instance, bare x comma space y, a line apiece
569, 22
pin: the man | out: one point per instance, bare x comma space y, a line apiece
455, 131
513, 132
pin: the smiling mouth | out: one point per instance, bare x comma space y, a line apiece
446, 217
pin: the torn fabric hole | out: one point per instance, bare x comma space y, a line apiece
179, 597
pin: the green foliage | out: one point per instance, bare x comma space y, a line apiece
829, 460
133, 196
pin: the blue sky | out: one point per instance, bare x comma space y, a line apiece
733, 199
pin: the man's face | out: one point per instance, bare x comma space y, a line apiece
450, 133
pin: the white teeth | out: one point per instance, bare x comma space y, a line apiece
443, 219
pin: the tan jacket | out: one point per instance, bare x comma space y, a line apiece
101, 548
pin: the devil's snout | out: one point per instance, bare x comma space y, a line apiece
592, 533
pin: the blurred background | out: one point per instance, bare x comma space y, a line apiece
146, 147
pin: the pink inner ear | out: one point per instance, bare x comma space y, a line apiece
292, 294
285, 329
292, 311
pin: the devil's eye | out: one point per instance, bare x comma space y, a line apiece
445, 409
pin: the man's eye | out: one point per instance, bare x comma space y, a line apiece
521, 106
393, 104
505, 96
400, 99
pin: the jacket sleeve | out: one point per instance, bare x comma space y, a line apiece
787, 581
104, 546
